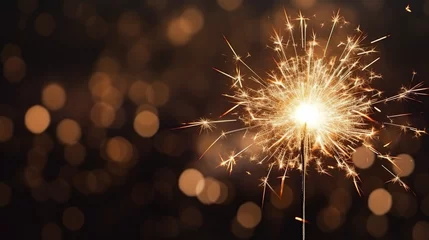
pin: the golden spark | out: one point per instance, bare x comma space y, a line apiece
316, 106
408, 8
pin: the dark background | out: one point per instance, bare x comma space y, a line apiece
142, 200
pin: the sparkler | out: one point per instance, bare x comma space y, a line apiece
316, 105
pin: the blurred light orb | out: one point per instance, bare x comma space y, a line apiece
27, 6
421, 230
363, 158
373, 5
138, 55
239, 231
181, 29
426, 7
224, 193
158, 93
113, 97
284, 201
69, 132
96, 27
54, 96
6, 129
377, 226
32, 177
137, 92
380, 201
189, 182
404, 204
157, 4
5, 194
229, 5
99, 83
37, 119
51, 231
403, 165
73, 218
303, 4
108, 66
210, 192
37, 159
75, 154
192, 20
102, 115
45, 24
14, 69
249, 215
129, 24
119, 149
10, 50
146, 124
329, 219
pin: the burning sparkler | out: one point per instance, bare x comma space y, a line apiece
316, 105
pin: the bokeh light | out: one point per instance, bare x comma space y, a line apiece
27, 6
137, 92
211, 190
421, 230
146, 124
6, 129
73, 218
403, 165
363, 158
5, 194
129, 24
69, 131
14, 69
96, 27
37, 119
51, 231
45, 24
380, 201
285, 200
158, 93
239, 231
54, 96
304, 4
102, 115
377, 226
180, 30
189, 182
329, 219
10, 50
249, 215
229, 5
74, 154
119, 149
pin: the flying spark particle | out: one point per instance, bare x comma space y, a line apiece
408, 8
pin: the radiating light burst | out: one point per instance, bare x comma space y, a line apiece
317, 105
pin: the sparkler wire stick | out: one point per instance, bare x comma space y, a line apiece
302, 156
